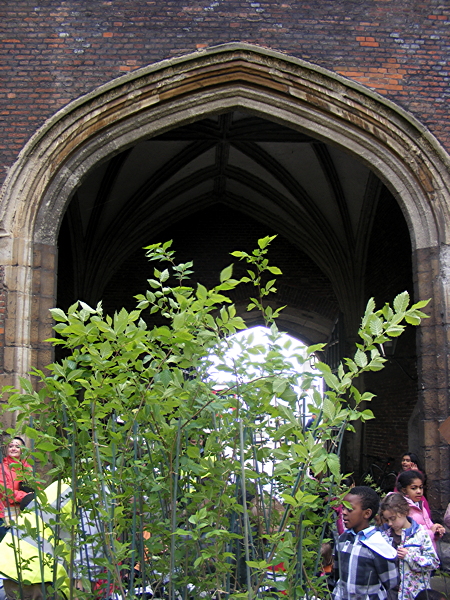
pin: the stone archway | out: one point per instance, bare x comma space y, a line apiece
176, 92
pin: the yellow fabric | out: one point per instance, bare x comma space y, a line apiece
22, 550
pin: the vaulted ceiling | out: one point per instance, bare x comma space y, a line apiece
318, 197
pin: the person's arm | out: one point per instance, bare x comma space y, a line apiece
9, 486
421, 553
436, 529
17, 496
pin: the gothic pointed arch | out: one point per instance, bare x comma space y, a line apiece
306, 99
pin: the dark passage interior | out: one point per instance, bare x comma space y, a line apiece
218, 185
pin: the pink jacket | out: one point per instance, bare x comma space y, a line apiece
421, 516
11, 474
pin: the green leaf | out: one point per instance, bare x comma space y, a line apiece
275, 270
46, 446
395, 330
331, 380
31, 433
314, 348
264, 242
289, 499
420, 304
202, 292
58, 314
333, 464
329, 410
370, 307
412, 319
193, 452
366, 415
323, 367
26, 385
87, 308
376, 325
401, 302
279, 385
179, 320
361, 359
226, 273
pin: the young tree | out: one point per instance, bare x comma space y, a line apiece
190, 492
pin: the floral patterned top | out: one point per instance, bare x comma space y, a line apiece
415, 570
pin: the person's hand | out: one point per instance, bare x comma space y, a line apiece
26, 500
402, 552
438, 530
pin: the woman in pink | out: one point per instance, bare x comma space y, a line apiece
411, 486
13, 471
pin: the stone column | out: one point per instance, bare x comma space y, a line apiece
29, 290
43, 298
432, 278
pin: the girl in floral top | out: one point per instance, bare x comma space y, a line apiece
416, 554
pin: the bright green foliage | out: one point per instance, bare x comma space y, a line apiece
131, 419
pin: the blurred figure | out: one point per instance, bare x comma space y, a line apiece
13, 472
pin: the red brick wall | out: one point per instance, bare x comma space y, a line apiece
51, 52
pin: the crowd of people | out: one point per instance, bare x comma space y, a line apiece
388, 550
384, 550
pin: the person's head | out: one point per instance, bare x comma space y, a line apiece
364, 502
326, 553
14, 448
348, 482
410, 462
410, 483
430, 595
394, 510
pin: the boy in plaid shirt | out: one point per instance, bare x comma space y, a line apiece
365, 564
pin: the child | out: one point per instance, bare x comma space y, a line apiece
417, 557
326, 563
365, 564
410, 484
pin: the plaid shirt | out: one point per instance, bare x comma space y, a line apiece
361, 573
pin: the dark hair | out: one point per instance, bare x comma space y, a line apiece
407, 477
413, 458
430, 595
395, 502
16, 437
368, 497
347, 481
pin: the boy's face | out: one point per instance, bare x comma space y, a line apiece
355, 518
